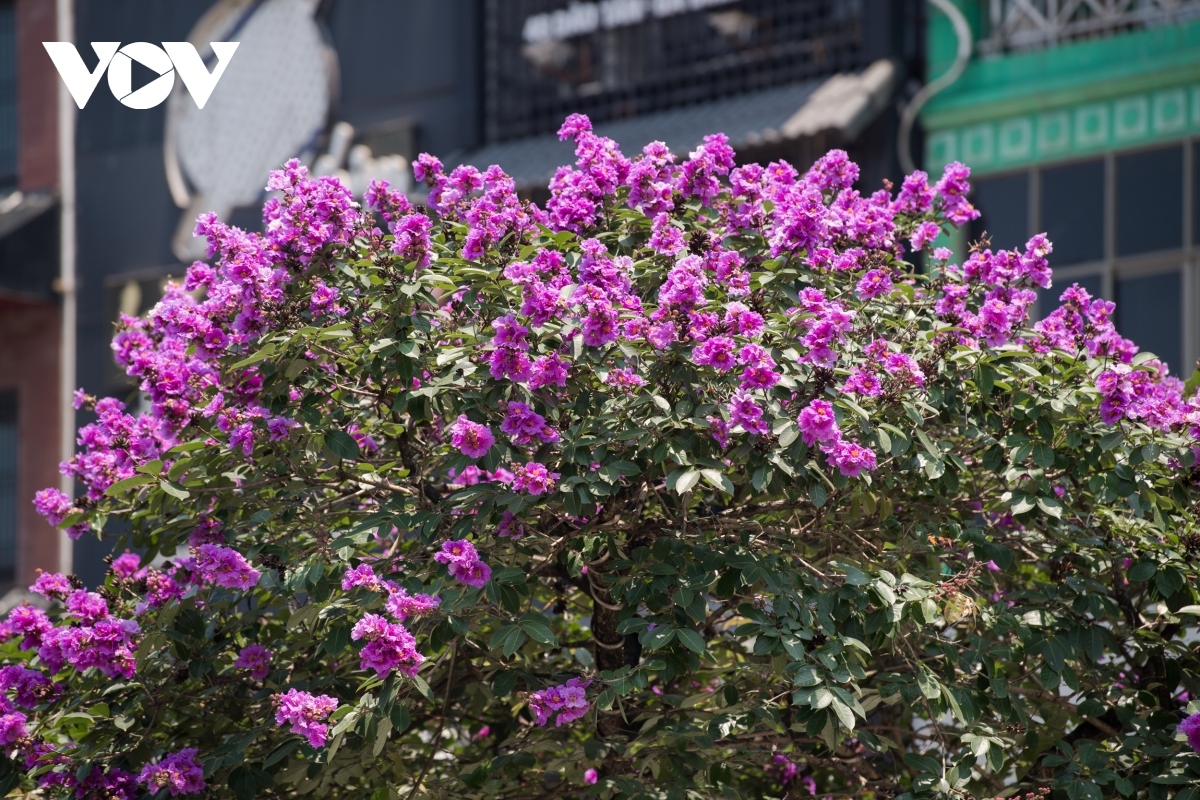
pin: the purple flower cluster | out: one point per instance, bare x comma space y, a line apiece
525, 426
178, 773
29, 687
464, 563
818, 426
93, 637
389, 646
569, 701
1190, 727
255, 658
533, 478
305, 713
225, 567
173, 352
471, 438
1145, 393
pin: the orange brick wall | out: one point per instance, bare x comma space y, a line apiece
37, 97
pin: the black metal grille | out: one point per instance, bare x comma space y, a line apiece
621, 58
8, 93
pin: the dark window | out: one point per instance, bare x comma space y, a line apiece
1004, 207
1073, 211
8, 485
1150, 201
8, 93
1148, 313
1196, 193
547, 58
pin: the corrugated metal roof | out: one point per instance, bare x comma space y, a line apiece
748, 120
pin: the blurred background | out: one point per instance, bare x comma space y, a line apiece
1077, 117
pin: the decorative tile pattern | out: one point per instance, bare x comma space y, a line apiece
1079, 130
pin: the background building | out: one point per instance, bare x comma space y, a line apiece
359, 87
1080, 119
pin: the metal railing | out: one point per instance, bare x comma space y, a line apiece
1015, 25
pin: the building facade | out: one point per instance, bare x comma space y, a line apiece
29, 306
357, 88
1082, 120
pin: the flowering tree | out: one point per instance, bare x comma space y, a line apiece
686, 486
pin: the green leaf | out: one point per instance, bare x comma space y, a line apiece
1143, 571
1051, 506
661, 636
241, 780
717, 480
817, 494
1111, 439
854, 575
539, 631
1043, 455
684, 480
254, 359
928, 682
844, 714
1022, 504
342, 445
691, 640
281, 752
120, 487
174, 489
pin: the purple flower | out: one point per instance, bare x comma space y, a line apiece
717, 352
568, 700
53, 505
851, 458
1190, 727
526, 426
324, 299
510, 527
818, 424
549, 370
464, 563
402, 605
924, 233
225, 567
29, 686
862, 383
87, 607
126, 565
719, 429
625, 379
255, 658
305, 713
473, 439
745, 412
533, 478
389, 646
666, 239
52, 585
362, 575
590, 776
458, 551
12, 728
875, 283
179, 773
